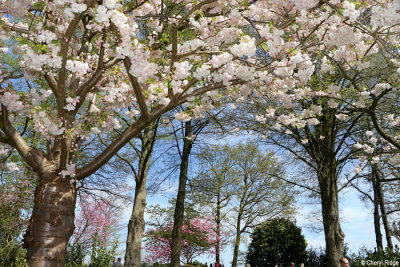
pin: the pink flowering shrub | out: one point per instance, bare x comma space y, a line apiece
15, 206
16, 198
93, 220
198, 238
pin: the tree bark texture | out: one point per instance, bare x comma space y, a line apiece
334, 236
238, 230
136, 226
51, 223
377, 224
381, 201
136, 223
237, 242
217, 245
324, 152
180, 200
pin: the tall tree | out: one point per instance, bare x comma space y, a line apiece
250, 178
318, 132
136, 222
259, 193
213, 187
191, 130
325, 148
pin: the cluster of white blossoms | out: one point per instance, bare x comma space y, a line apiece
46, 125
385, 15
71, 103
77, 66
34, 62
101, 61
246, 47
12, 101
182, 70
305, 4
191, 45
16, 8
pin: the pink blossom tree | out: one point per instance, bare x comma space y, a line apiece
198, 238
16, 197
94, 221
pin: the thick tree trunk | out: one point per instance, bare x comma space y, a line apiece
377, 224
334, 236
381, 200
136, 227
136, 223
52, 222
324, 152
180, 200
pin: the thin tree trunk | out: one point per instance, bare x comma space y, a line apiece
334, 236
237, 242
180, 200
136, 223
52, 221
218, 231
377, 227
377, 224
381, 200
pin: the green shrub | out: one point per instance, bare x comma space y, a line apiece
12, 254
75, 256
199, 264
101, 256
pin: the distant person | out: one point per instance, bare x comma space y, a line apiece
211, 265
248, 265
302, 265
344, 262
291, 264
118, 263
113, 263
